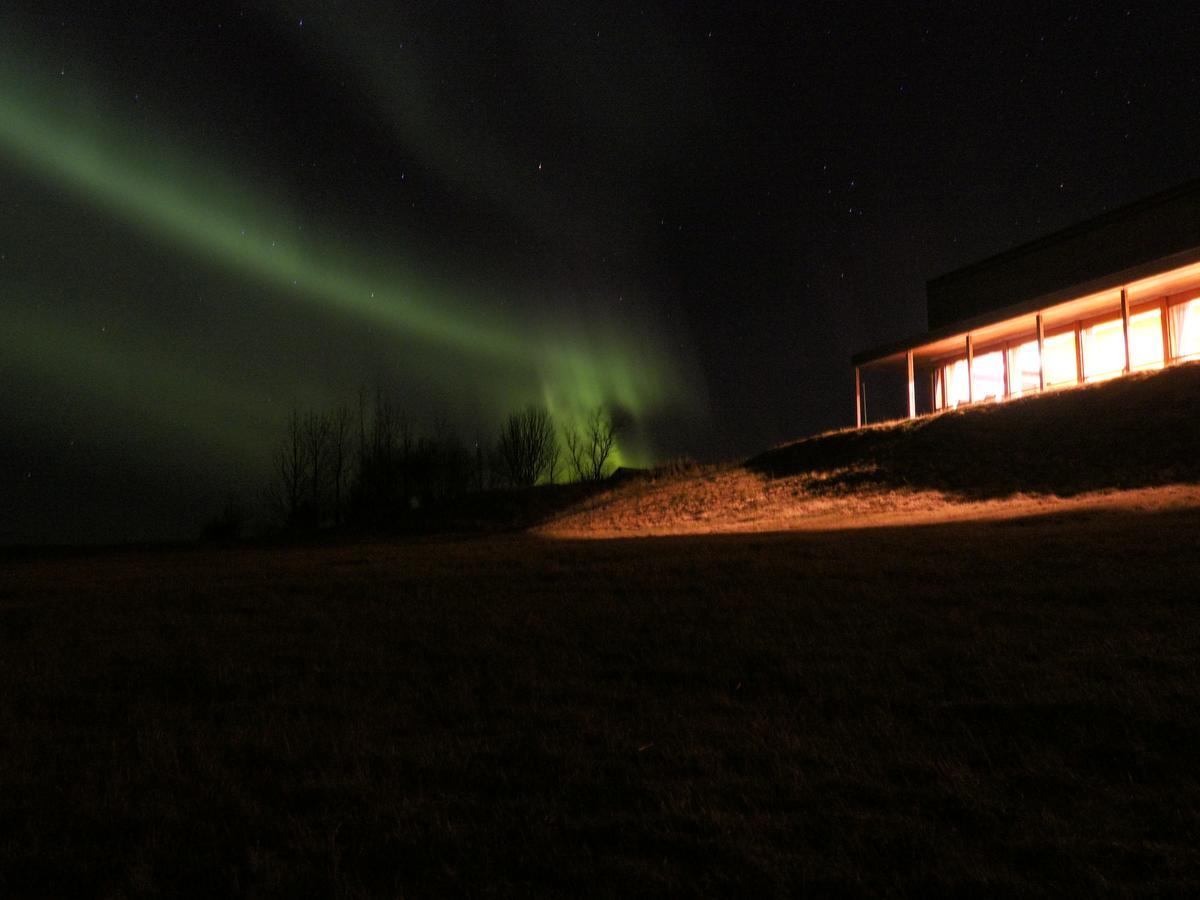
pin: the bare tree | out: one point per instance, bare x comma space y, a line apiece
555, 458
448, 465
590, 446
405, 448
361, 455
317, 445
339, 458
528, 447
478, 482
383, 437
291, 471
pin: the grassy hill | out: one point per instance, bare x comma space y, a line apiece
1140, 432
1128, 432
999, 702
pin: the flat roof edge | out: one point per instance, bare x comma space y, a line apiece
1096, 222
1026, 307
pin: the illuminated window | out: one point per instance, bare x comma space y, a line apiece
1023, 371
988, 371
1103, 350
1059, 359
955, 376
1185, 329
1146, 340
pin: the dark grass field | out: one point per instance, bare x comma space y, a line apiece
987, 709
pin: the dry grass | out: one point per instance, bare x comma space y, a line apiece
1131, 432
1129, 443
731, 500
886, 684
984, 707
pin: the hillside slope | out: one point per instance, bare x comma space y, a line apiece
1128, 432
1131, 441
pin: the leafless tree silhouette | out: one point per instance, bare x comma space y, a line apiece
528, 446
369, 465
317, 446
590, 446
339, 459
291, 471
384, 448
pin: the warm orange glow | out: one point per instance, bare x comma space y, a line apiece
1059, 353
738, 500
988, 372
1024, 372
1094, 320
1176, 281
1146, 340
1103, 346
957, 385
1185, 329
1104, 350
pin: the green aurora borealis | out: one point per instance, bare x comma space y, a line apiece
474, 357
211, 214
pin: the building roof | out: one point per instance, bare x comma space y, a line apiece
1121, 245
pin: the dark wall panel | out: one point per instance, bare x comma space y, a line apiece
1130, 236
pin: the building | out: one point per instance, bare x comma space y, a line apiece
1117, 294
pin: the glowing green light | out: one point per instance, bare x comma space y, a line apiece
173, 197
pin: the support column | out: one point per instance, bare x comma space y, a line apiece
1041, 334
912, 388
1007, 376
1125, 325
858, 399
1078, 354
970, 370
1165, 318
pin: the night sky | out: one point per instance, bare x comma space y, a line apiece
693, 211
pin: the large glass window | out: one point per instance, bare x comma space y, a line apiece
988, 371
1024, 374
1185, 329
1103, 350
957, 386
1146, 339
1059, 359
